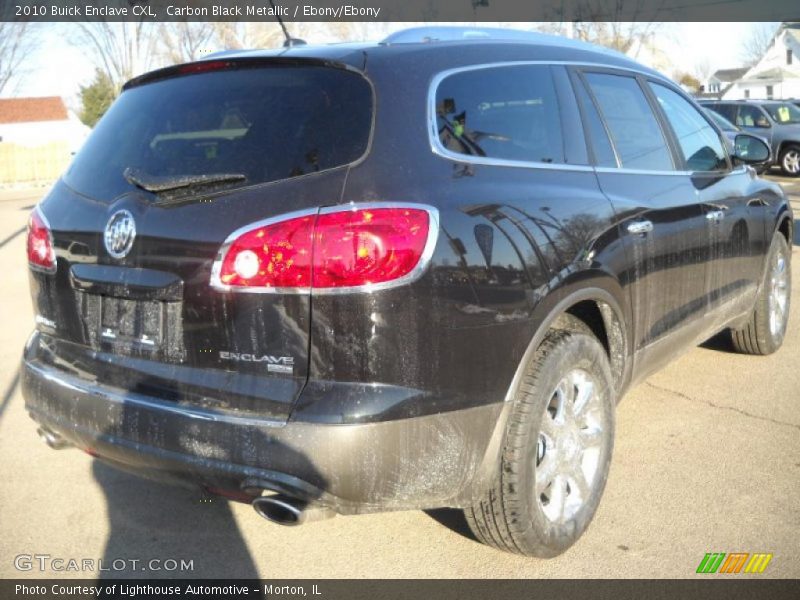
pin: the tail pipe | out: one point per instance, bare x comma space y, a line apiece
283, 510
52, 439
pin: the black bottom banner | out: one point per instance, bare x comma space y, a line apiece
416, 589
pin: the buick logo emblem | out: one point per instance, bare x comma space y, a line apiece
120, 233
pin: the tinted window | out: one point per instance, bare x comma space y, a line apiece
634, 129
784, 113
721, 121
726, 110
751, 116
601, 145
266, 123
699, 142
504, 112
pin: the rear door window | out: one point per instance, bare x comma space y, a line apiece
598, 137
699, 142
509, 113
634, 129
264, 122
751, 116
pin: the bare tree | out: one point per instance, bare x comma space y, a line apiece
626, 37
623, 25
17, 42
186, 41
237, 36
757, 42
703, 70
121, 50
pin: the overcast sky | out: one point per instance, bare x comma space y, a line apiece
59, 68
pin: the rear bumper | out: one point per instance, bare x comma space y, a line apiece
422, 462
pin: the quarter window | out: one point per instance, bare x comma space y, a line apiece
636, 134
700, 144
508, 113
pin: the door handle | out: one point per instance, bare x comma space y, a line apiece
640, 227
715, 215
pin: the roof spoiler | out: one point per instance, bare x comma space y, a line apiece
228, 60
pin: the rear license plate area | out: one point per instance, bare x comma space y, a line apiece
142, 328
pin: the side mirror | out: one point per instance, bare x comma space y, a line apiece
762, 122
751, 149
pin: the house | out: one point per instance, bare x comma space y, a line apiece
777, 74
37, 121
721, 81
38, 136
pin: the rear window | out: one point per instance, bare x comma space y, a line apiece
266, 123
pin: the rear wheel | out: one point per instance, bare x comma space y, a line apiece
765, 329
557, 450
790, 160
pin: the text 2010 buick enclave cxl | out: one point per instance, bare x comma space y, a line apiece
404, 275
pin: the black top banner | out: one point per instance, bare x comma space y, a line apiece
466, 11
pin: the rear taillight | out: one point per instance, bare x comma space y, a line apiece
357, 249
41, 254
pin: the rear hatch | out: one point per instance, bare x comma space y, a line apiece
192, 154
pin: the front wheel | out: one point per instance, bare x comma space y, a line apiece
557, 450
765, 329
790, 160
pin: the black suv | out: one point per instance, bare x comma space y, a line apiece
404, 275
776, 121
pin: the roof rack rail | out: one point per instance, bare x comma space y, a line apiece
417, 35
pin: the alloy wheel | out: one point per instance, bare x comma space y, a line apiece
569, 447
791, 161
779, 294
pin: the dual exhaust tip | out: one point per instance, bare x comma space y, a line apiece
52, 439
290, 512
277, 508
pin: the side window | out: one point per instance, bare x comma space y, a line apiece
507, 112
726, 110
751, 116
636, 134
701, 146
601, 145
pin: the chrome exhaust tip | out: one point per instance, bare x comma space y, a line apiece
52, 439
290, 512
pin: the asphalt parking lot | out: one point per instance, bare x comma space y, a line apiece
707, 459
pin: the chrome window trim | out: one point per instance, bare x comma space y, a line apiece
417, 272
433, 133
438, 149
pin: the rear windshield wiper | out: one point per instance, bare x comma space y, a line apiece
167, 183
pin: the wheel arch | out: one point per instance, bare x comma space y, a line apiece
785, 225
601, 306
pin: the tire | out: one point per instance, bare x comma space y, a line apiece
790, 160
521, 511
766, 327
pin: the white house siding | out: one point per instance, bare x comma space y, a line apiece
785, 84
71, 131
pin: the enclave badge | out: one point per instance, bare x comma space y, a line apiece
119, 234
